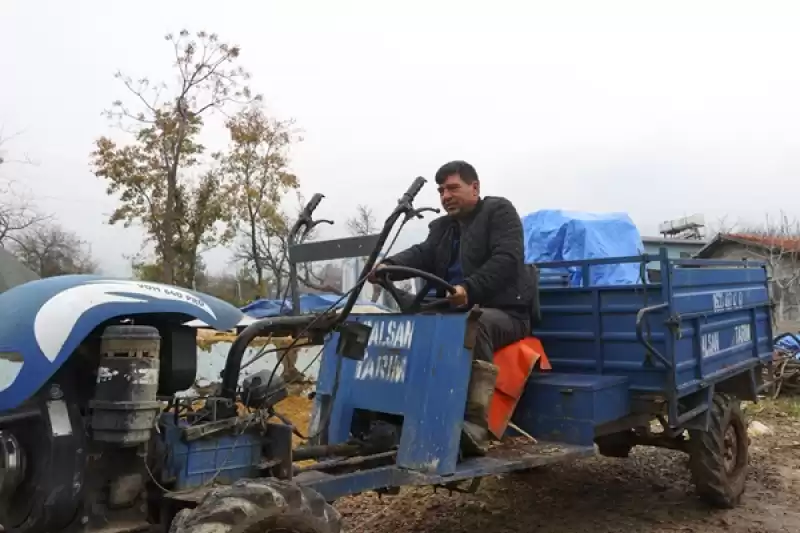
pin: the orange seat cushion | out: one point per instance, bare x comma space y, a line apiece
515, 364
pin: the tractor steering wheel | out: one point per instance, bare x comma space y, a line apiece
404, 301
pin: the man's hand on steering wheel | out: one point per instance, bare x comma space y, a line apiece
458, 298
372, 277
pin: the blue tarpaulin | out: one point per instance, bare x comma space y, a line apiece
789, 343
264, 308
559, 235
309, 303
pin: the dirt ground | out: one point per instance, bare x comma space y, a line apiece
648, 493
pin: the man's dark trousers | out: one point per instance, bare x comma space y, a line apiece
497, 329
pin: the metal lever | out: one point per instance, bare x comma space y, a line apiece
418, 212
310, 224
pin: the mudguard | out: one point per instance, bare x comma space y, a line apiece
43, 321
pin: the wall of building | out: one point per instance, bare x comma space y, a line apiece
736, 252
787, 303
676, 248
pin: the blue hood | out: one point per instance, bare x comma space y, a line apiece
43, 321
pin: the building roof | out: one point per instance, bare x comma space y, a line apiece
770, 242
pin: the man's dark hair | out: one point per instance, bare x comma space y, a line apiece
464, 170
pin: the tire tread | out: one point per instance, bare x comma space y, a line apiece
706, 460
234, 508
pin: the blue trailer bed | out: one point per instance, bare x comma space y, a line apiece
704, 323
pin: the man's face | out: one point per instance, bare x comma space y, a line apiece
457, 197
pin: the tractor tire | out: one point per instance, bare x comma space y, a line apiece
259, 506
719, 457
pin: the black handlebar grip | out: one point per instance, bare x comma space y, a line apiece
314, 203
417, 186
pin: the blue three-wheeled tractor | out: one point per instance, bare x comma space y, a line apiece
94, 437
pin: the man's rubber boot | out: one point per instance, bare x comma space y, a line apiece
475, 436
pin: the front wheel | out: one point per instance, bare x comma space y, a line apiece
259, 506
719, 457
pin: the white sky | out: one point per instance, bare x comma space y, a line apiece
658, 109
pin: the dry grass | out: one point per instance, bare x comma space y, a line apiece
296, 408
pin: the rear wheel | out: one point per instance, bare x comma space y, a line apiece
260, 506
718, 458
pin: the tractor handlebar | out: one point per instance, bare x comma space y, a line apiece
313, 203
405, 209
417, 186
306, 220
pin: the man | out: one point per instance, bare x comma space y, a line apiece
477, 247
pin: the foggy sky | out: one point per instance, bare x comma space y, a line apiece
658, 109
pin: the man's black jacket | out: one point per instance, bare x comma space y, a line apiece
492, 255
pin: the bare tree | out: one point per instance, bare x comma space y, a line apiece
723, 225
50, 250
4, 139
776, 242
17, 212
273, 249
271, 252
363, 223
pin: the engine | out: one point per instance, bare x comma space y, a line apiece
124, 407
75, 456
122, 418
106, 441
